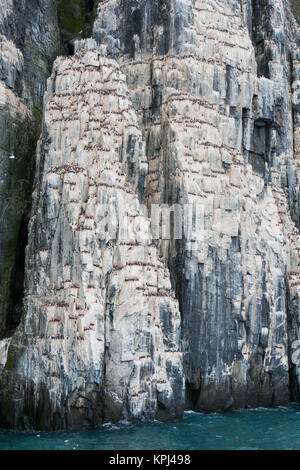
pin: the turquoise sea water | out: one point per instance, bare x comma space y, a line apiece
277, 428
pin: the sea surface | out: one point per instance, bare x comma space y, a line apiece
260, 428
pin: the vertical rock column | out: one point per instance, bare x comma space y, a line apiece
100, 335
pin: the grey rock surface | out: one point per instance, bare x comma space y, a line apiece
191, 104
100, 339
211, 82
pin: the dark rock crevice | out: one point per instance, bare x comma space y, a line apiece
14, 310
259, 152
75, 19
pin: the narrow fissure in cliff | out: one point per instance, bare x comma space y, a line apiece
14, 215
17, 278
260, 24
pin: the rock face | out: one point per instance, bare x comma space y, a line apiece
192, 107
102, 326
29, 42
211, 82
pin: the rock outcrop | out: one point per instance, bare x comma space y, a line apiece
102, 325
211, 82
190, 107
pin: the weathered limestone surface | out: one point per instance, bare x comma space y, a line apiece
211, 82
101, 334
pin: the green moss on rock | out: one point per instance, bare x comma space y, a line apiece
74, 15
